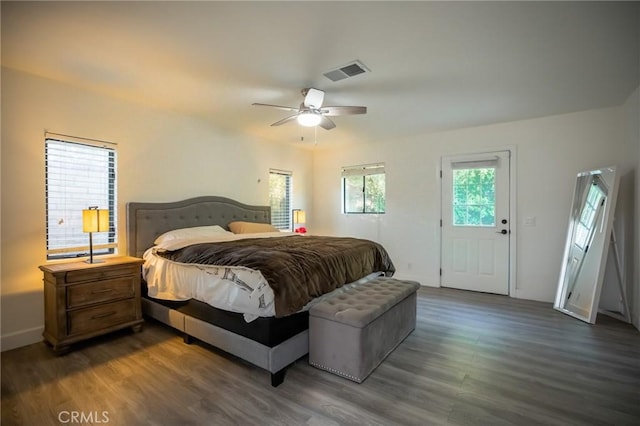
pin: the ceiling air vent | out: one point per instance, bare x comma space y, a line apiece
352, 69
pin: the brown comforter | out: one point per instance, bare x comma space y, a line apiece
298, 268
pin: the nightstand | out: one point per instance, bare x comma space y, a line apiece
84, 300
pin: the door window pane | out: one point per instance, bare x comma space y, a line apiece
474, 199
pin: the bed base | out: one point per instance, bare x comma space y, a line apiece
273, 359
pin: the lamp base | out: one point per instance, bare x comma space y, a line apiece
94, 261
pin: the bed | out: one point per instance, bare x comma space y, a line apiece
271, 342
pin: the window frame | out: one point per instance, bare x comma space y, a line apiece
363, 171
73, 242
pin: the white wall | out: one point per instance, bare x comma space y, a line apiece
162, 156
626, 220
550, 152
632, 235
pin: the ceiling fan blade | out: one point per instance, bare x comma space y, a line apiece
343, 110
313, 98
326, 123
285, 120
286, 108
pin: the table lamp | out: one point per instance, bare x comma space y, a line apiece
299, 217
94, 220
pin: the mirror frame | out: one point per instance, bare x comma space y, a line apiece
603, 247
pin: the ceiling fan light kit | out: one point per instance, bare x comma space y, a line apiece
309, 119
311, 113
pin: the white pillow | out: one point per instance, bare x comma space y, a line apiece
191, 233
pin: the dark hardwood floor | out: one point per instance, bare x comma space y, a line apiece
474, 359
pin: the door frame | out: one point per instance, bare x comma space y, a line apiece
513, 241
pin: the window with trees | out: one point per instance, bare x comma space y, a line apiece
79, 173
363, 189
474, 196
585, 227
280, 198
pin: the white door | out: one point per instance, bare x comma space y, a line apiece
476, 222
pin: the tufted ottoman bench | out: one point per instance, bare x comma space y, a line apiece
351, 333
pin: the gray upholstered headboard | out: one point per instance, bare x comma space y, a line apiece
146, 221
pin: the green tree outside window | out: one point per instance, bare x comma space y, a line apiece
474, 197
364, 193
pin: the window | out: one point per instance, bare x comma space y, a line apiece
587, 224
363, 189
280, 198
474, 196
79, 174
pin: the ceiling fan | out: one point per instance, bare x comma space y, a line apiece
311, 112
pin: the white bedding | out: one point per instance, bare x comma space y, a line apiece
235, 289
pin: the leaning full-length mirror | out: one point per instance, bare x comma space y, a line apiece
587, 245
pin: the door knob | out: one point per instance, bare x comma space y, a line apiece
503, 232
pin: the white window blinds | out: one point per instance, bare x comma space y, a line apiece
491, 162
365, 170
280, 198
79, 173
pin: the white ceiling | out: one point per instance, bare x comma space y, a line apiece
434, 65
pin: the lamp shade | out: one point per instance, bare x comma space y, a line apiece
95, 220
309, 119
299, 216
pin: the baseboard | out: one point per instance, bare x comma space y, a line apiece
407, 277
21, 338
522, 294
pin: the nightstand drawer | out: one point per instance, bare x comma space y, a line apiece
101, 273
103, 316
100, 291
